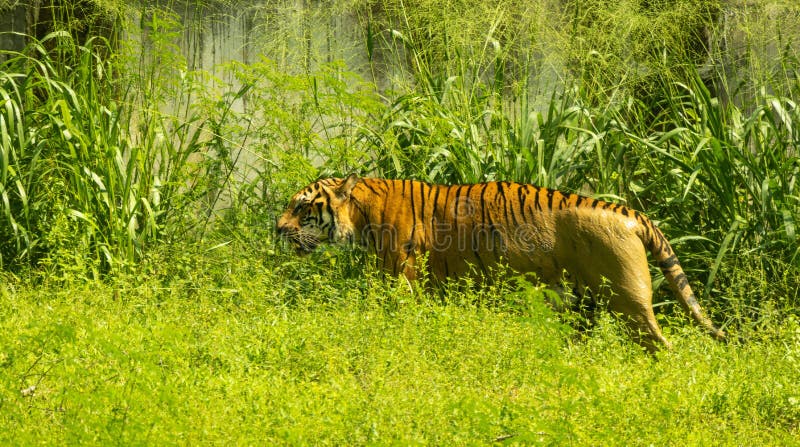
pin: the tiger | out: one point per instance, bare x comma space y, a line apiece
469, 229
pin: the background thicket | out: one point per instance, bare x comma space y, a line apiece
140, 183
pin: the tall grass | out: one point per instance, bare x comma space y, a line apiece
720, 174
742, 166
464, 97
79, 188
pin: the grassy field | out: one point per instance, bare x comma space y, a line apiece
145, 300
240, 359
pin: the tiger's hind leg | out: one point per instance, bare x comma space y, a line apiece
621, 278
636, 311
648, 334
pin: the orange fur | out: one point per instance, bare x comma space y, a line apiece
467, 228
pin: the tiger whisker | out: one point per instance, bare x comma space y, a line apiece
301, 239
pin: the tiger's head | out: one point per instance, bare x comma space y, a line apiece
320, 212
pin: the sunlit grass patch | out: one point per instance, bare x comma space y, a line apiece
156, 363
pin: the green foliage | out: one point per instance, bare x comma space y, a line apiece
630, 46
119, 161
719, 173
737, 171
78, 188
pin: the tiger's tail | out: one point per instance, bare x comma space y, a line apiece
657, 244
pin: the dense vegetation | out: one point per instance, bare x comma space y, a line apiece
144, 298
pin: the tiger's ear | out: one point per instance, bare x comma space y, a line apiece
344, 190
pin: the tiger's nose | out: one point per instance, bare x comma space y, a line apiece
280, 227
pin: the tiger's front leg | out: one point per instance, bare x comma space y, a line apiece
400, 263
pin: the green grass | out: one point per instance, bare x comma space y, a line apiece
240, 359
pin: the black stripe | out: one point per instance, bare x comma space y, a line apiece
668, 263
385, 185
514, 219
446, 201
538, 202
501, 193
658, 240
386, 201
468, 203
681, 281
422, 202
549, 199
506, 210
522, 197
510, 204
328, 207
367, 225
563, 202
662, 240
427, 231
413, 207
456, 198
649, 230
501, 190
374, 191
360, 208
469, 188
642, 221
435, 201
485, 187
487, 217
579, 200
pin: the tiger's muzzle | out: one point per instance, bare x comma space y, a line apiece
302, 242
